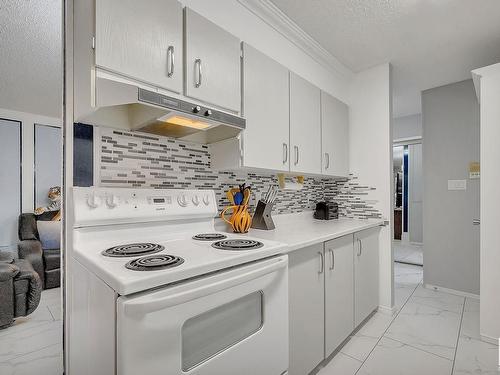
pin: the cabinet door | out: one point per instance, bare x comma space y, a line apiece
212, 63
339, 292
334, 136
266, 109
306, 301
305, 126
141, 40
365, 273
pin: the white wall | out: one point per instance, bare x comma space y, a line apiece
451, 141
31, 63
407, 127
238, 20
490, 201
370, 152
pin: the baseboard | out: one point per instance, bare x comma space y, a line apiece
386, 309
451, 291
490, 339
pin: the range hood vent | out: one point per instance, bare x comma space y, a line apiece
123, 105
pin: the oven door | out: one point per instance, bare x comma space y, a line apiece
231, 322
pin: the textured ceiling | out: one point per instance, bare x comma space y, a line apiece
30, 63
429, 42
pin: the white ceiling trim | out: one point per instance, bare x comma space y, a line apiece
274, 17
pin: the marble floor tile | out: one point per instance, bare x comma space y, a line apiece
401, 295
30, 340
407, 252
395, 358
406, 274
51, 297
439, 300
475, 357
47, 361
21, 324
363, 341
430, 328
55, 312
470, 319
341, 364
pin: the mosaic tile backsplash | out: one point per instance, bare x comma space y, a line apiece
131, 159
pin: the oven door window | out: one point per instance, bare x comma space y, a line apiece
216, 330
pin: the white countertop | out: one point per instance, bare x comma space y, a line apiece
301, 229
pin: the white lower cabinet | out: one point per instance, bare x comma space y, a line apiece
306, 283
365, 273
333, 287
339, 292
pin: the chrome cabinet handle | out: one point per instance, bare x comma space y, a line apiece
170, 61
476, 221
285, 152
360, 247
197, 64
321, 262
327, 158
296, 148
332, 259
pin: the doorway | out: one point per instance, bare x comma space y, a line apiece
407, 179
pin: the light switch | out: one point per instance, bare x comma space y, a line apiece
457, 184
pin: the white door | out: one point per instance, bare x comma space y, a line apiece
366, 250
339, 292
415, 219
334, 136
305, 126
234, 322
10, 183
307, 308
212, 63
141, 40
266, 109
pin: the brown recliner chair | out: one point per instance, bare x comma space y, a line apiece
20, 289
46, 262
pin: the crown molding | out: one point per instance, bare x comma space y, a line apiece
274, 17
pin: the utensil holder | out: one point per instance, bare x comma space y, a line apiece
262, 217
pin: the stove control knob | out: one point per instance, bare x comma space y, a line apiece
112, 201
94, 201
182, 200
206, 200
196, 200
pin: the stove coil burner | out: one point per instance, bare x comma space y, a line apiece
133, 249
237, 244
209, 237
154, 262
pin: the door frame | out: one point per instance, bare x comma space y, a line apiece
406, 142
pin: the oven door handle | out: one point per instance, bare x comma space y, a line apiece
150, 303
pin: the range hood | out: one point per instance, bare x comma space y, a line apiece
126, 106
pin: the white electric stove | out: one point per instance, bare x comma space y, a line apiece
156, 290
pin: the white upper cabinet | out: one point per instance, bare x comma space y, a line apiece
266, 109
305, 126
141, 40
334, 137
212, 63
